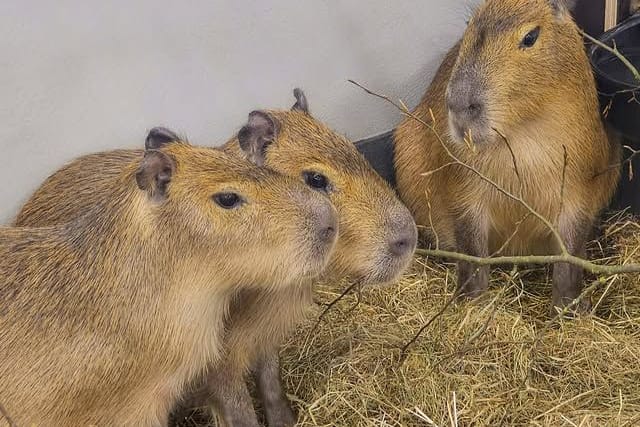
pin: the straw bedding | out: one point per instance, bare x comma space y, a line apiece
494, 361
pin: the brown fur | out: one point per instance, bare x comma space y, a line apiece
541, 98
370, 219
106, 317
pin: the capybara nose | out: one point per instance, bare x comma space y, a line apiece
328, 233
464, 106
405, 238
327, 222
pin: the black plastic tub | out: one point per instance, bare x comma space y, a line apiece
378, 150
616, 84
620, 100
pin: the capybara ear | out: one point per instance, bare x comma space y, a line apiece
154, 173
159, 136
254, 137
301, 101
562, 7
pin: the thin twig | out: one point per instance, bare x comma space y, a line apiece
332, 304
563, 183
438, 169
628, 160
614, 50
456, 294
516, 230
608, 270
405, 348
513, 158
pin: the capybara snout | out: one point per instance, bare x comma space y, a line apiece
326, 228
320, 226
376, 245
403, 236
466, 105
400, 237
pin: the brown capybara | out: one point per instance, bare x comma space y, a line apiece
518, 85
376, 241
104, 319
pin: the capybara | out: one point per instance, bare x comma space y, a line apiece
376, 241
510, 99
105, 317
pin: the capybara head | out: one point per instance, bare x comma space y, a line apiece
515, 57
220, 205
377, 234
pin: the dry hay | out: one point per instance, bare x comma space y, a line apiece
495, 361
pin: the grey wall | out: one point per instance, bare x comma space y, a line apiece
79, 76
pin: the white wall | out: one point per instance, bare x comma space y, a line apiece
78, 76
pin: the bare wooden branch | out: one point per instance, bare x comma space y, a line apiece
607, 270
628, 160
564, 181
614, 50
332, 304
438, 169
513, 159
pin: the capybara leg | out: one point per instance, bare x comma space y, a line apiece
473, 279
228, 390
568, 278
196, 398
276, 405
472, 239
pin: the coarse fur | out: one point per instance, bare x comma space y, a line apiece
542, 99
108, 314
372, 222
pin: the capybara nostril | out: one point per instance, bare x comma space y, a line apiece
328, 233
404, 240
401, 246
464, 106
326, 220
474, 109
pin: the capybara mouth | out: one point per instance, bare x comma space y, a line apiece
320, 261
384, 272
469, 131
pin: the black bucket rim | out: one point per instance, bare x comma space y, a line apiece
597, 51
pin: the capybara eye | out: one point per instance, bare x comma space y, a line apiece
531, 38
316, 180
227, 200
